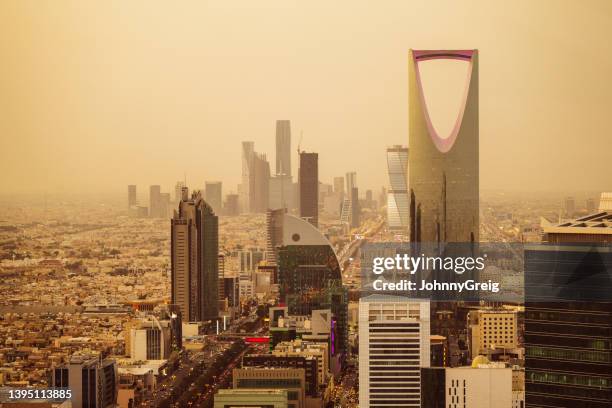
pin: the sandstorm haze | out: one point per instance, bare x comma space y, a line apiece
97, 95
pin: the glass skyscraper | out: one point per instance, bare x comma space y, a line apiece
443, 169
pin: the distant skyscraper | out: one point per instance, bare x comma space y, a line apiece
132, 201
254, 190
195, 257
248, 154
339, 185
232, 206
178, 191
213, 194
155, 210
309, 187
394, 341
569, 206
443, 168
351, 181
261, 184
398, 203
355, 208
280, 192
283, 148
93, 382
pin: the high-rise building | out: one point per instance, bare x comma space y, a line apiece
178, 191
394, 339
155, 210
260, 191
568, 315
195, 257
213, 195
310, 278
254, 190
443, 169
248, 153
280, 192
232, 206
91, 380
398, 203
569, 206
351, 181
274, 233
355, 208
309, 187
283, 148
132, 201
339, 185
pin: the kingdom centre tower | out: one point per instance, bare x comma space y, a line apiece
443, 169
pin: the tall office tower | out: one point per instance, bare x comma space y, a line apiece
355, 208
492, 331
92, 381
178, 191
280, 192
283, 148
309, 278
248, 154
155, 202
195, 259
309, 187
569, 206
398, 203
339, 185
274, 233
260, 191
393, 346
443, 169
132, 201
213, 195
232, 206
568, 315
351, 181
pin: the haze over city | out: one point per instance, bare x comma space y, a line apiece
96, 96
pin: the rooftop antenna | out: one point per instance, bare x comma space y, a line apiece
300, 142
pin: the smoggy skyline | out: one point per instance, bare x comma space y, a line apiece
98, 95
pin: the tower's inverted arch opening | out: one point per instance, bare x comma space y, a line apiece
444, 84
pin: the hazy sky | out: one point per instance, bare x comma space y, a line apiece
97, 95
